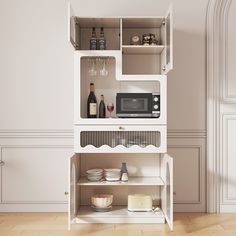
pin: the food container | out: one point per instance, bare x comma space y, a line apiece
146, 37
153, 42
145, 42
135, 40
102, 200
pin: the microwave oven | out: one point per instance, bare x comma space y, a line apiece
138, 105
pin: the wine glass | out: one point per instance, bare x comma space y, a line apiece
103, 70
92, 70
110, 108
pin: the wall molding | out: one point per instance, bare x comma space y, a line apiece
37, 133
200, 157
225, 118
216, 22
226, 98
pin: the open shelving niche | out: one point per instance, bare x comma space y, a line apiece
159, 186
112, 84
131, 68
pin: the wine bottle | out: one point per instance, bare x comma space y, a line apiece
92, 103
93, 40
102, 108
101, 40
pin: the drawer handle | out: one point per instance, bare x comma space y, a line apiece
2, 163
121, 128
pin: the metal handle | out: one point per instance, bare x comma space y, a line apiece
66, 193
164, 68
2, 163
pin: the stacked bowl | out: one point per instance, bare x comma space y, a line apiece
94, 174
112, 174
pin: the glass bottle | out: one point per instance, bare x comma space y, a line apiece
93, 40
92, 103
102, 40
102, 108
124, 172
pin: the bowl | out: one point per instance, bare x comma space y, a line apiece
102, 200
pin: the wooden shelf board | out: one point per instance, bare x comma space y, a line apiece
142, 22
141, 49
133, 181
118, 214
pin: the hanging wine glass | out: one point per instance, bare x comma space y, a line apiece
103, 70
92, 69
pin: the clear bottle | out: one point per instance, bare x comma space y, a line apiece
102, 108
124, 172
93, 40
92, 103
101, 40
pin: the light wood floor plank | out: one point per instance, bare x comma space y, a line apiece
55, 224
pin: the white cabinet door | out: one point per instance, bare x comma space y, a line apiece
34, 175
167, 189
72, 28
74, 167
169, 41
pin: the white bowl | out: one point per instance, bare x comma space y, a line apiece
102, 200
94, 171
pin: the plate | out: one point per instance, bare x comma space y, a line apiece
112, 179
105, 209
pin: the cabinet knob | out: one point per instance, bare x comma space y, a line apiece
164, 68
66, 193
121, 128
2, 163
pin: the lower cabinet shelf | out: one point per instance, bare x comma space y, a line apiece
118, 214
137, 181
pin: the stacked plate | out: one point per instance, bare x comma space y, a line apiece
94, 175
112, 174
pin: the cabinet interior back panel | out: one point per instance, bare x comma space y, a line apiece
137, 164
141, 64
108, 86
120, 193
112, 36
127, 33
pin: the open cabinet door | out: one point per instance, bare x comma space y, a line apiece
168, 41
73, 28
167, 189
73, 191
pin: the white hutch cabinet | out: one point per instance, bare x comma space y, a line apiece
131, 69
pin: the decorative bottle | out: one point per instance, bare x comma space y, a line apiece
124, 172
93, 40
92, 103
102, 108
101, 40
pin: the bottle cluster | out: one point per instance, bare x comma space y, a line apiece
97, 43
92, 111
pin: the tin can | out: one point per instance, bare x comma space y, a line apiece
146, 37
153, 42
145, 42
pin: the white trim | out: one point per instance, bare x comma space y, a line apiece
217, 10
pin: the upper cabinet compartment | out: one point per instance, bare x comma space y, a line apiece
80, 32
147, 47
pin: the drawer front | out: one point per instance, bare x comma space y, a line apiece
127, 139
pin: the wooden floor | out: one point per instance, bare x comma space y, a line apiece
55, 224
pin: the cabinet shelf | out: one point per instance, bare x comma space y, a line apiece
118, 214
141, 49
121, 121
133, 181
